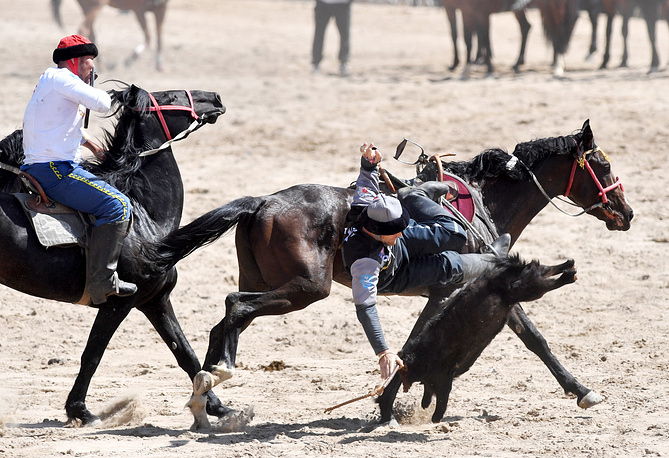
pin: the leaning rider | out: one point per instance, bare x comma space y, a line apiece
395, 245
52, 140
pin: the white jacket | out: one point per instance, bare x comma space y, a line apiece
52, 123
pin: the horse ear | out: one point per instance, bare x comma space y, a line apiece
588, 139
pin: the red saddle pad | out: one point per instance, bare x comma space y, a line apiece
465, 202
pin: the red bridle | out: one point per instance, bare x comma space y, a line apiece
581, 160
160, 108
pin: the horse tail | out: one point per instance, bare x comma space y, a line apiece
204, 230
55, 11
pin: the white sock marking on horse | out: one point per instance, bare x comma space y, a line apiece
203, 382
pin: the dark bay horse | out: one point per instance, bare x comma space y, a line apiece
476, 20
153, 184
288, 242
558, 18
91, 9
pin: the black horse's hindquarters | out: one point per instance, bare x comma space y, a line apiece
58, 273
42, 273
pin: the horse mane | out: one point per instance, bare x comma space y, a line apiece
492, 163
11, 149
122, 159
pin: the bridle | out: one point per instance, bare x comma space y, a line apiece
581, 160
158, 109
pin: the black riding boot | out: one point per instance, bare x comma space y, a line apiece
104, 248
474, 265
421, 203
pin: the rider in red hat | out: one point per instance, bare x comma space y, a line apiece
52, 138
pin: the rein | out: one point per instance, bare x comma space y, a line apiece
582, 161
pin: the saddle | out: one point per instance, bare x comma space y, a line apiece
55, 224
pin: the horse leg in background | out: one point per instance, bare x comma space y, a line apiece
468, 28
159, 13
607, 46
483, 34
107, 321
627, 9
650, 10
453, 21
139, 49
161, 315
523, 327
86, 27
594, 8
525, 27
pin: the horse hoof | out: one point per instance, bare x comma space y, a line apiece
222, 373
590, 399
202, 382
197, 405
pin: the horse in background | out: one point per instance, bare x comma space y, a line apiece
476, 20
558, 19
91, 9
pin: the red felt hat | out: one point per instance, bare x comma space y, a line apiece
74, 46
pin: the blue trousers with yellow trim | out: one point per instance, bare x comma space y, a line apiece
71, 185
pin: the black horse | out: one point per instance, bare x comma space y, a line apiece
288, 242
153, 184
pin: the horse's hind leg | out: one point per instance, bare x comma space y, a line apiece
106, 323
521, 324
161, 315
241, 309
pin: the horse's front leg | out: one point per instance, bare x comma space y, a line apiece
107, 321
521, 324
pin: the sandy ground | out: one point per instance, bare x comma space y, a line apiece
285, 126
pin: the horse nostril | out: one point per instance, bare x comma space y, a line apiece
631, 215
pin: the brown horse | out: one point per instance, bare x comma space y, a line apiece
558, 18
288, 242
476, 20
92, 8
